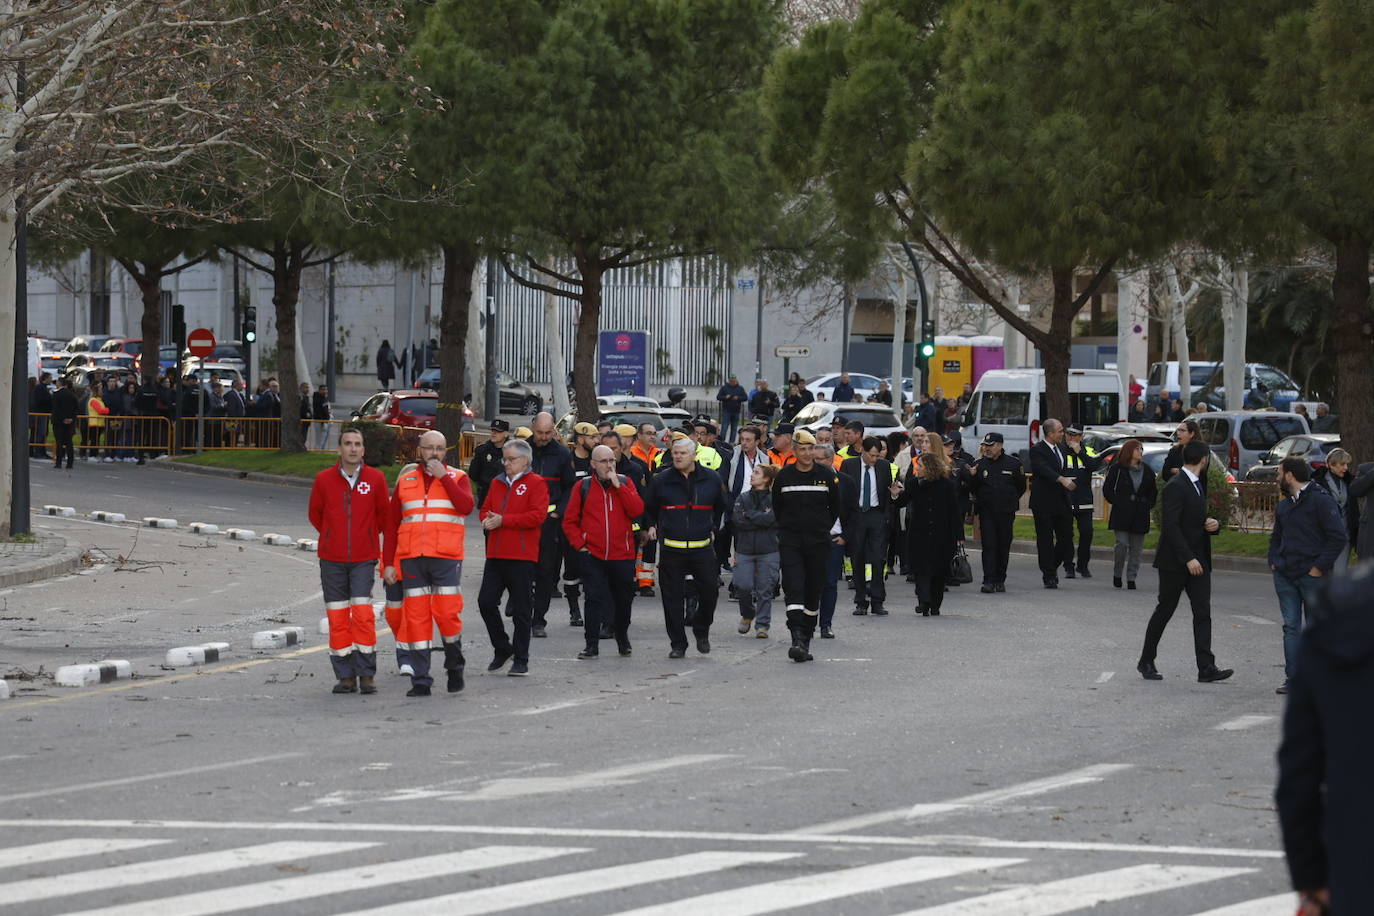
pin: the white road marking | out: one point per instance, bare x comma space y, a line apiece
1105, 676
145, 777
554, 707
1251, 618
539, 891
67, 849
1240, 723
520, 787
206, 863
1084, 776
595, 833
818, 887
118, 496
1277, 905
220, 508
330, 883
1072, 894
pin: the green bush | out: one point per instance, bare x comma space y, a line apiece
381, 443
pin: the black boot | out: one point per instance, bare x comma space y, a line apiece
797, 652
455, 663
574, 595
806, 647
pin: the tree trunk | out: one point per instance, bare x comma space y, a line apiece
148, 276
1178, 320
8, 334
899, 317
1055, 353
1234, 321
460, 263
558, 366
1352, 336
589, 322
288, 259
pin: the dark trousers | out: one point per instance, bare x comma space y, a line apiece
830, 594
1172, 585
38, 437
724, 537
551, 544
930, 580
674, 565
62, 433
1053, 541
995, 530
804, 567
1083, 519
610, 588
511, 577
729, 426
868, 550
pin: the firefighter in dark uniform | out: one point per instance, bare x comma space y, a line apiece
553, 462
998, 480
1080, 462
683, 508
807, 504
486, 459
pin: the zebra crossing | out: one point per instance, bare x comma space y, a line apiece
357, 875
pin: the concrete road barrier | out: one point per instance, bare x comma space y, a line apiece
278, 540
102, 672
100, 515
4, 690
154, 522
241, 534
307, 544
60, 511
279, 639
184, 656
204, 528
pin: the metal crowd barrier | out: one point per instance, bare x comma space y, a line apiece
115, 437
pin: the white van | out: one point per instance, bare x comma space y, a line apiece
1012, 402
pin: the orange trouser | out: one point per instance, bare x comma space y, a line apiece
352, 623
430, 597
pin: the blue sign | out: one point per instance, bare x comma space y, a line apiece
623, 363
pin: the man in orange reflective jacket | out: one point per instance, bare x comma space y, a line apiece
424, 537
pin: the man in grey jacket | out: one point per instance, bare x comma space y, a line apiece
1309, 534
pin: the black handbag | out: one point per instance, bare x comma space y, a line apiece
960, 570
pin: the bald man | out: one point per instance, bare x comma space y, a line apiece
422, 557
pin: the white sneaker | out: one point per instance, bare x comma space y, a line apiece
406, 671
109, 460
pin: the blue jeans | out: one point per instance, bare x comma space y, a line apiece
1295, 597
834, 570
755, 576
729, 427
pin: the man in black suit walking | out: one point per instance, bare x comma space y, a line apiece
1051, 489
1184, 561
873, 480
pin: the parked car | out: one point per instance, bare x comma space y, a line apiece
818, 385
227, 372
1311, 447
167, 356
635, 416
1012, 402
86, 343
1239, 437
1152, 453
1102, 438
406, 407
81, 375
878, 419
1205, 384
231, 352
513, 396
623, 401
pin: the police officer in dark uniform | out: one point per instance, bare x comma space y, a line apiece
998, 480
553, 462
486, 459
684, 507
1080, 462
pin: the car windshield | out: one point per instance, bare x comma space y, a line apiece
1274, 380
634, 418
419, 407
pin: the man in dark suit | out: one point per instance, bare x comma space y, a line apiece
1050, 503
872, 477
1184, 561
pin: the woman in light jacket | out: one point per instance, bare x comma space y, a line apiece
1131, 491
756, 551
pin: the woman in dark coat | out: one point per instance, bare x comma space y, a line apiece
1131, 491
935, 529
386, 364
1187, 431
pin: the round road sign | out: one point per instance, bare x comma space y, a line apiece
200, 342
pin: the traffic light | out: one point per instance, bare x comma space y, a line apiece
250, 324
927, 339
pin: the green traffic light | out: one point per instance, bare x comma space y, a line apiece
250, 336
927, 350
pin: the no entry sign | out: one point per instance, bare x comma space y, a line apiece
200, 342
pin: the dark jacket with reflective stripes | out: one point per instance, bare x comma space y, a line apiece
685, 507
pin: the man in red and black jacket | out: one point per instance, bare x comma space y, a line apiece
513, 516
600, 525
348, 507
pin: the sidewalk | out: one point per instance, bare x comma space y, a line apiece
49, 556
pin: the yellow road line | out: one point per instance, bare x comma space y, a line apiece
132, 685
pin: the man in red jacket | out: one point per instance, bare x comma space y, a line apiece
513, 514
600, 524
348, 507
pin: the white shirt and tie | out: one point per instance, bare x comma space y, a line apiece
868, 486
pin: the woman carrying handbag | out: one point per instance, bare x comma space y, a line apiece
935, 528
1130, 490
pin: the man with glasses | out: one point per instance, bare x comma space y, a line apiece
600, 526
512, 515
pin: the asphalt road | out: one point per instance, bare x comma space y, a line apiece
1001, 759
